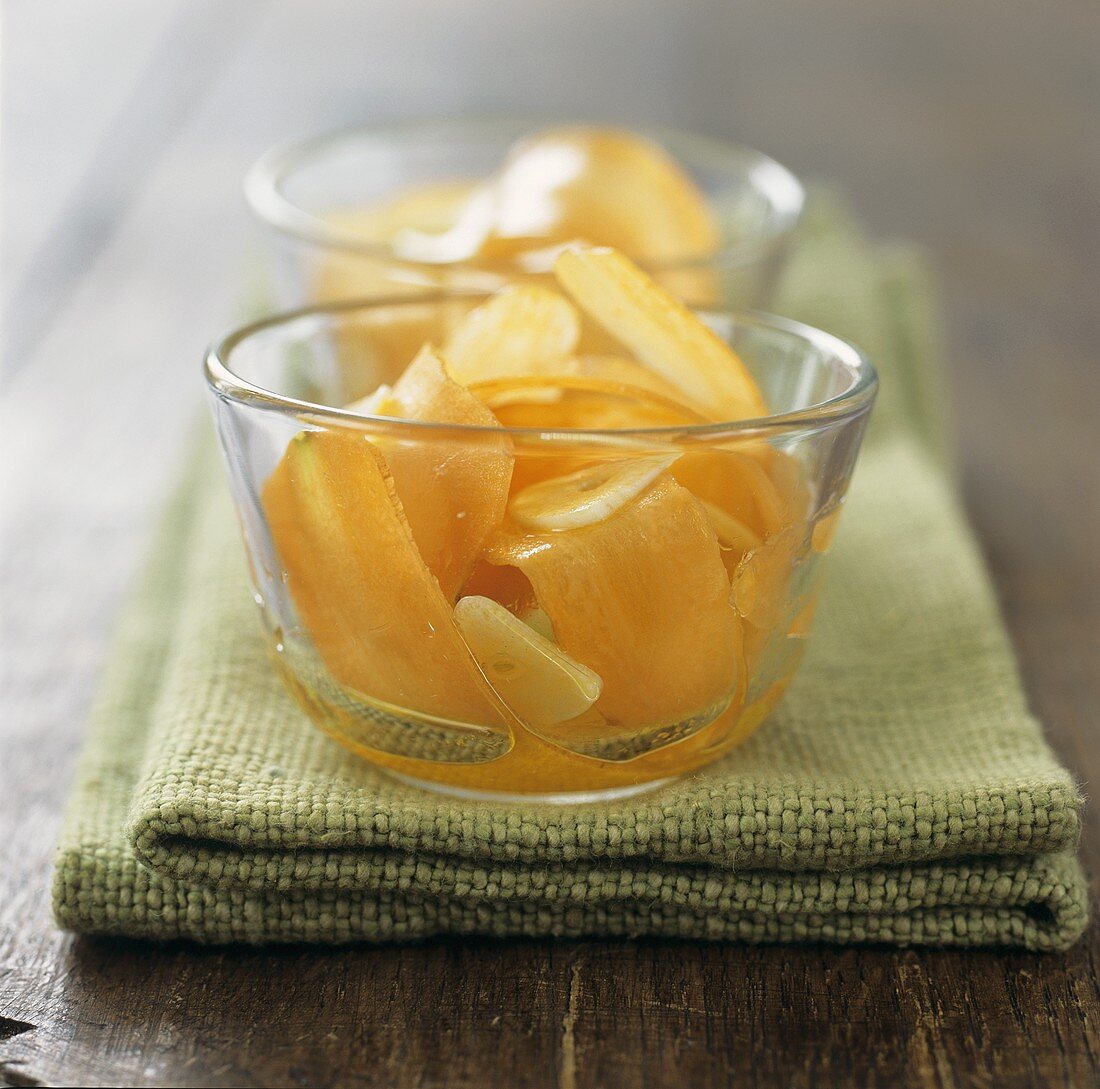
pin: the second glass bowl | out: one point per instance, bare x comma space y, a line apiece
303, 193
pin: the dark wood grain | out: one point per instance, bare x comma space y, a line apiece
973, 129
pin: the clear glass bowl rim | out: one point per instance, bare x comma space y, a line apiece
852, 402
263, 192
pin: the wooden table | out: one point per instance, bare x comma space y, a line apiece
972, 128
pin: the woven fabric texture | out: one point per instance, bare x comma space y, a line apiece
901, 793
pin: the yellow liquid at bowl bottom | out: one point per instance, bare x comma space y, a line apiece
534, 767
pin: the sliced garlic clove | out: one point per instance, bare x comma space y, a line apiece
660, 330
522, 330
539, 621
382, 402
588, 496
534, 677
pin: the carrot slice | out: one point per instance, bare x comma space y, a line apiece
660, 330
573, 401
641, 598
759, 588
763, 589
736, 539
734, 480
373, 610
453, 488
607, 185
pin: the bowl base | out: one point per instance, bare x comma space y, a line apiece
569, 797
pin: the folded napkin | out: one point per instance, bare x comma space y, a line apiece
901, 793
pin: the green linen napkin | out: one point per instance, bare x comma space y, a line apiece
901, 793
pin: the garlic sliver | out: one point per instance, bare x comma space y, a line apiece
536, 679
588, 496
381, 402
539, 621
660, 330
522, 330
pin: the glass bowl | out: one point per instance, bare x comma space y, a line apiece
663, 634
303, 193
